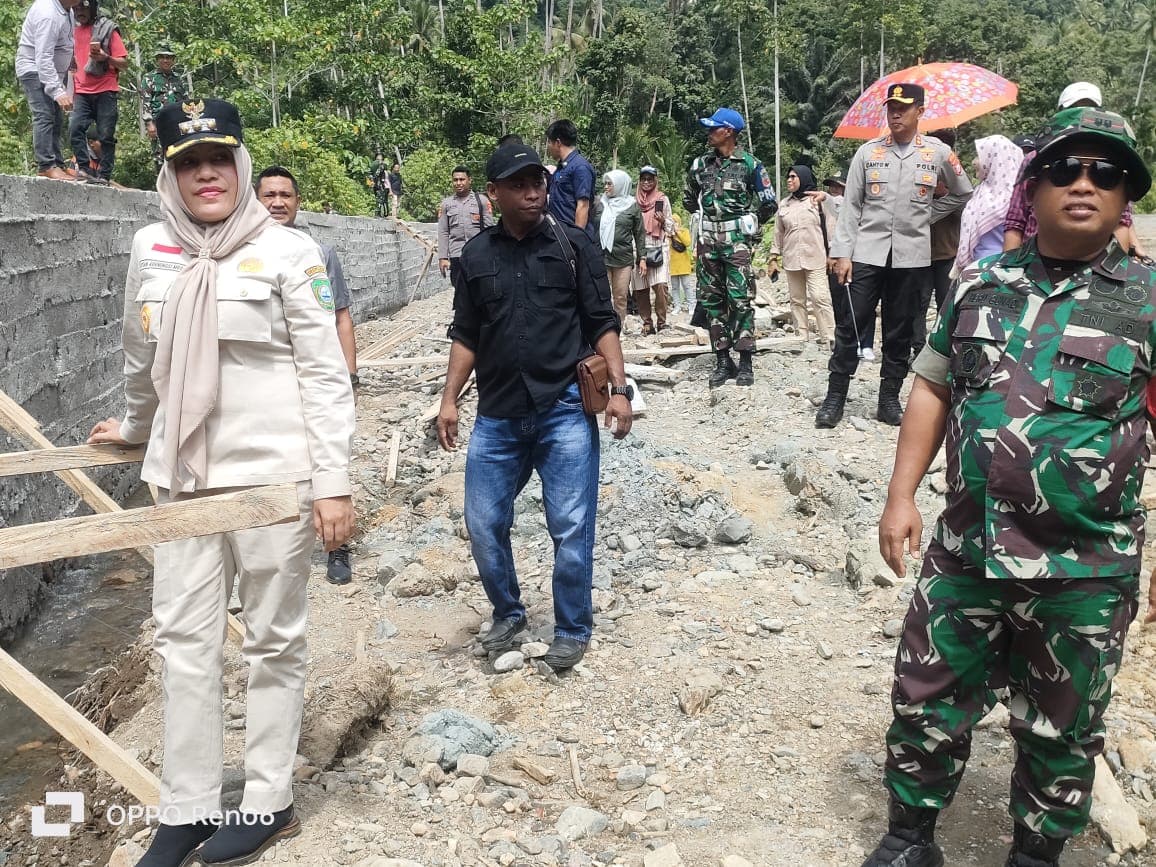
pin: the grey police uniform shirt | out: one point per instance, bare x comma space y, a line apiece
890, 204
459, 219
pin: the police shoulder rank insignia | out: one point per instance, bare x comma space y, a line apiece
953, 160
314, 270
323, 292
764, 178
250, 266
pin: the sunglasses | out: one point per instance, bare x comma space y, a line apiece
1063, 173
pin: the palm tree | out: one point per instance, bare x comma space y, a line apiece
821, 91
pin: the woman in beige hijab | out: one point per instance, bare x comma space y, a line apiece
234, 378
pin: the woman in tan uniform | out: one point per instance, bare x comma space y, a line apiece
234, 378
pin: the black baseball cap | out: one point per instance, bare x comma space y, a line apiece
1025, 142
511, 158
907, 94
180, 125
837, 178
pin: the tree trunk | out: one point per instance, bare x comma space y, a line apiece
743, 84
549, 35
569, 22
1143, 72
654, 100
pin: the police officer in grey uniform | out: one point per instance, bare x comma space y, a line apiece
460, 217
882, 245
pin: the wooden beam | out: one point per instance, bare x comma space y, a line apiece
655, 373
151, 525
67, 458
390, 341
772, 344
403, 363
394, 448
431, 412
67, 721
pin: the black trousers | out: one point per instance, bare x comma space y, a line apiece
843, 312
898, 289
455, 264
939, 283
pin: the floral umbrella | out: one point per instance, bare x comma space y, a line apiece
956, 93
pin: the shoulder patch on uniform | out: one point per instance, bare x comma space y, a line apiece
953, 161
314, 270
323, 292
764, 177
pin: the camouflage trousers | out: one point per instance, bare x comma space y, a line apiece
725, 290
381, 199
1054, 645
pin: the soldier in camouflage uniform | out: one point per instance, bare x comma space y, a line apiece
732, 190
159, 88
379, 180
1039, 372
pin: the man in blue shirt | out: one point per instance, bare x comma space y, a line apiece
572, 187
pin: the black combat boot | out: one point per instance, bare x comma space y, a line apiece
890, 411
1030, 849
746, 374
910, 839
725, 369
831, 412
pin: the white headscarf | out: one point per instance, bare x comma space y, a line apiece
998, 160
619, 200
186, 368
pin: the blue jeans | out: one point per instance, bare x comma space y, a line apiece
101, 108
562, 445
47, 122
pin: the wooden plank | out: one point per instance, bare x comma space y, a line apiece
402, 363
654, 373
391, 465
67, 458
24, 428
428, 259
431, 412
151, 525
390, 341
66, 720
772, 344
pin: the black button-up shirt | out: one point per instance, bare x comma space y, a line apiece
517, 307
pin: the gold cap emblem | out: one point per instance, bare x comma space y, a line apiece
897, 91
195, 123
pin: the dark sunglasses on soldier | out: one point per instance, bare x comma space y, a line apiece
1063, 173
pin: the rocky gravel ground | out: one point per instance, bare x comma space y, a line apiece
732, 706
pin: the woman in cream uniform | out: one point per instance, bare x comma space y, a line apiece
235, 378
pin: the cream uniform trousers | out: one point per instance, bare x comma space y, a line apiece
808, 288
193, 583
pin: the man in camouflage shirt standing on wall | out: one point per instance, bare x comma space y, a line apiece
159, 88
1039, 372
732, 190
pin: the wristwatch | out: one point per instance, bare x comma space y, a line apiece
627, 390
354, 380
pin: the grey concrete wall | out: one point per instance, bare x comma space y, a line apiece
64, 250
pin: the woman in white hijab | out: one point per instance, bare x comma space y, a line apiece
622, 235
234, 378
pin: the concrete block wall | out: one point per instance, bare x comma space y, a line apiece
64, 251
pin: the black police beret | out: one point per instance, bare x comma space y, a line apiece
180, 125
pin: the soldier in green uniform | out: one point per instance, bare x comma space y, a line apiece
733, 191
1040, 372
159, 88
379, 180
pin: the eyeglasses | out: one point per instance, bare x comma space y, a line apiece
1063, 173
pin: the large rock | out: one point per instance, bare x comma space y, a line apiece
459, 733
685, 533
1113, 815
389, 565
416, 580
667, 856
576, 823
127, 854
866, 566
734, 530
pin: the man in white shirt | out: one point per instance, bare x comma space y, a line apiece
43, 55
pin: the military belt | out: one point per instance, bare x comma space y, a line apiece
723, 226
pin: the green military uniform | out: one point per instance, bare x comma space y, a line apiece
379, 178
158, 89
725, 190
1032, 577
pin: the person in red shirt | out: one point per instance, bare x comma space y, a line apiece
100, 56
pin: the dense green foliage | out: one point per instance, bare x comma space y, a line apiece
322, 83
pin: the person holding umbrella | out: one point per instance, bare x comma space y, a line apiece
882, 245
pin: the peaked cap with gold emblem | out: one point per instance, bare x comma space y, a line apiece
906, 94
180, 125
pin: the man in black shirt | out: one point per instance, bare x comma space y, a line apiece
531, 298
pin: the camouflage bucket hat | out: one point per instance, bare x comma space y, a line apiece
1094, 125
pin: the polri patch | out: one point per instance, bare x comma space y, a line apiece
314, 270
323, 292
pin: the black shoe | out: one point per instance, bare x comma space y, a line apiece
564, 653
745, 374
176, 845
890, 411
1030, 849
339, 571
724, 369
910, 839
501, 636
244, 840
